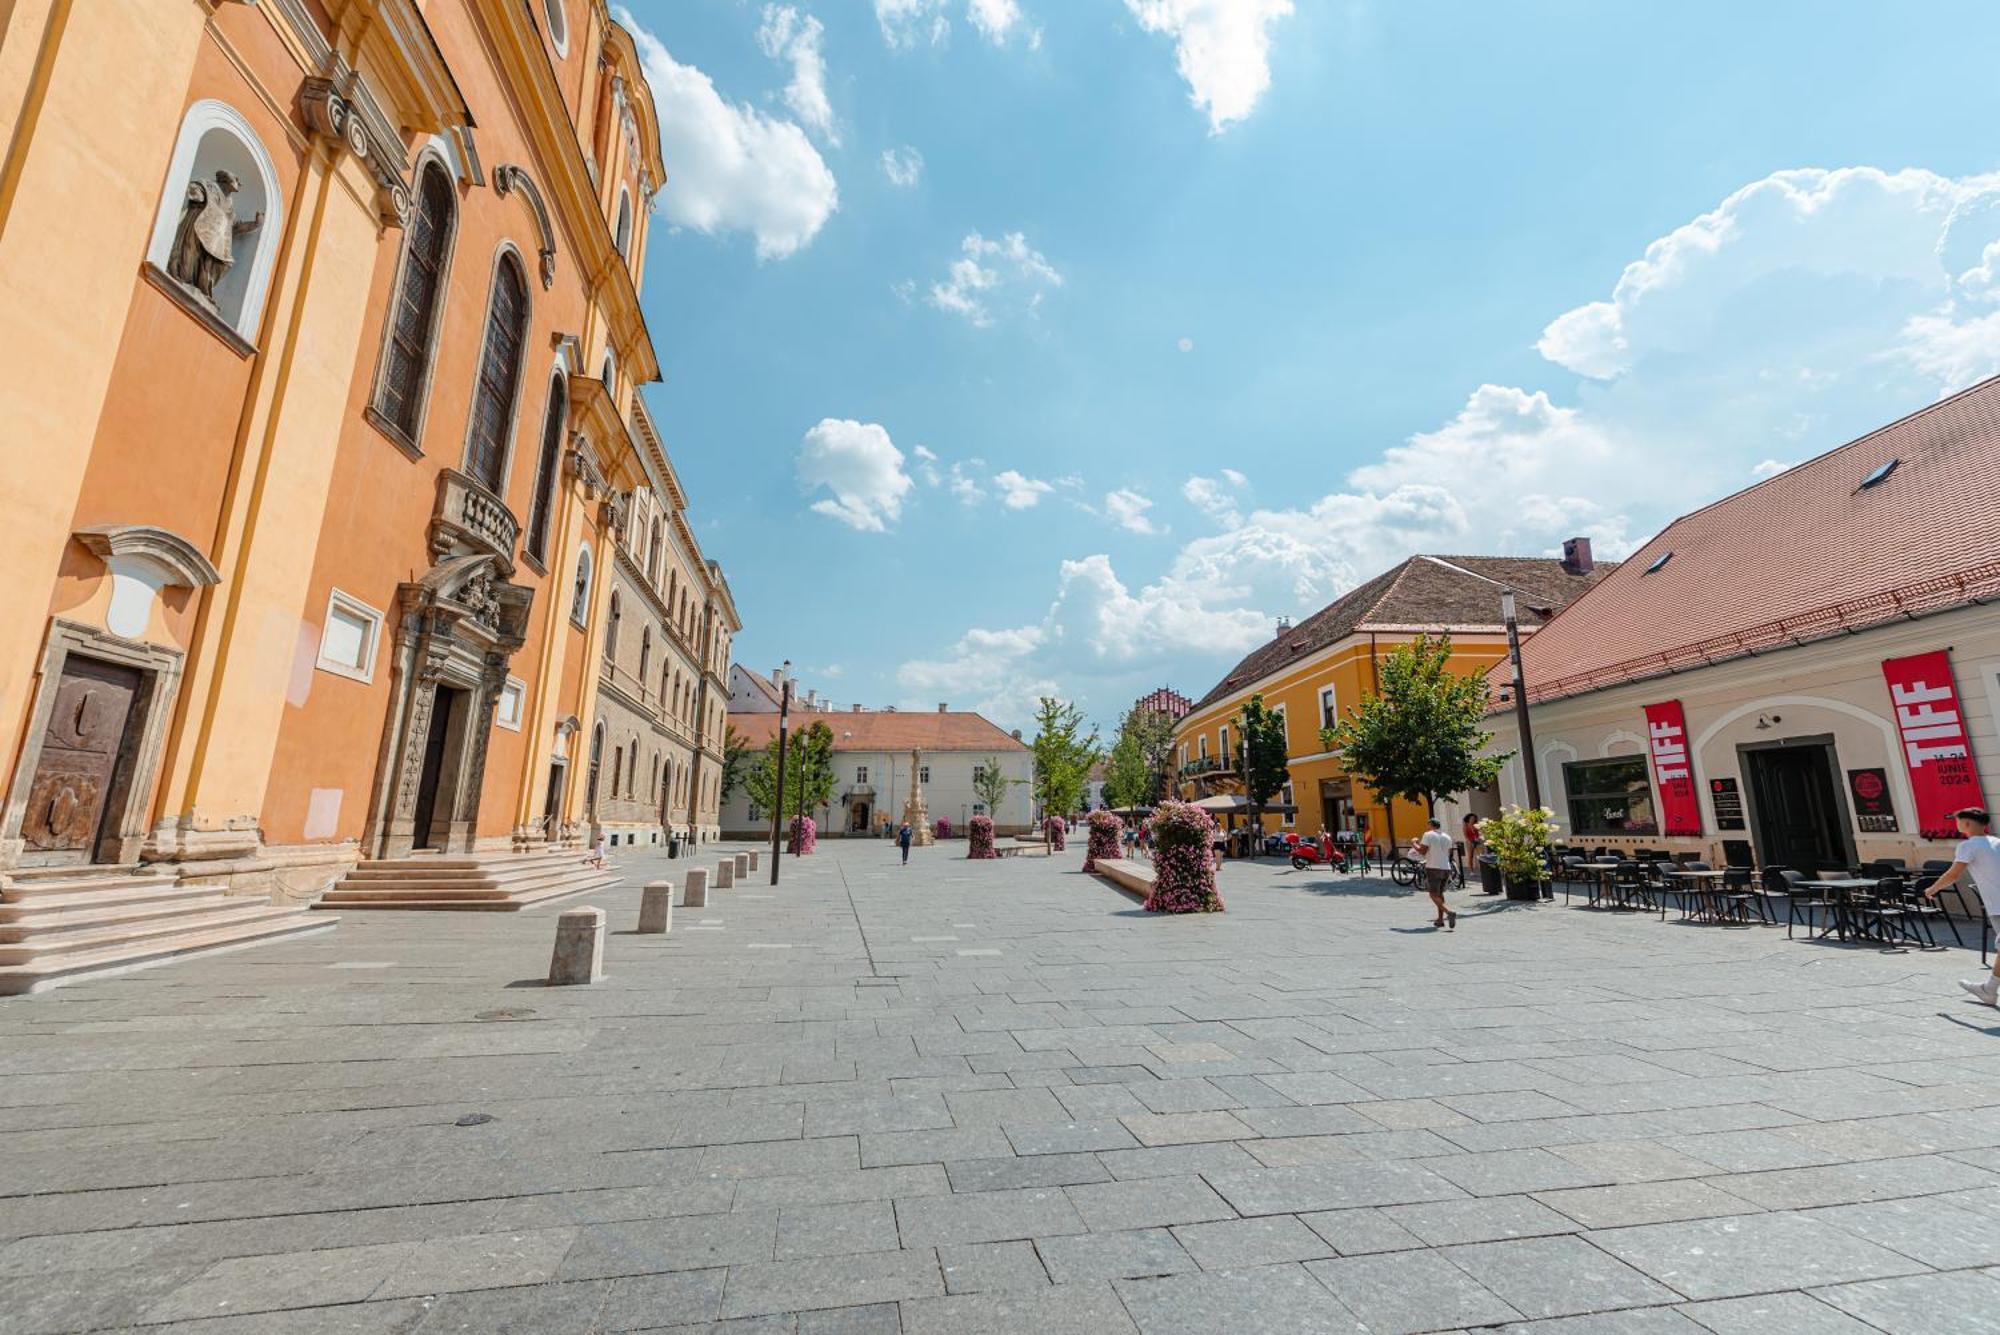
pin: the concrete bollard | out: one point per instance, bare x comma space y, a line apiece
579, 952
725, 873
696, 896
753, 861
742, 865
656, 908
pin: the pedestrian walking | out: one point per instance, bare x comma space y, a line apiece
1433, 850
596, 858
903, 837
1978, 853
1471, 832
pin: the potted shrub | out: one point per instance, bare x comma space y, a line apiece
1183, 860
1106, 831
805, 835
979, 839
1520, 837
944, 827
1058, 829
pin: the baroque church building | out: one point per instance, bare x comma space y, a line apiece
326, 462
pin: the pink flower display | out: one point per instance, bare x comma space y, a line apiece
1105, 832
944, 827
1183, 860
979, 840
805, 835
1058, 829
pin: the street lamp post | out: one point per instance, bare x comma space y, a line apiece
1521, 700
778, 806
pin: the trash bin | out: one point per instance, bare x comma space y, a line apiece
674, 846
1489, 874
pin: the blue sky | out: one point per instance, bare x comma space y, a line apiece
1162, 318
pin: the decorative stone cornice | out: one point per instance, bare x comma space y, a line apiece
509, 177
178, 559
333, 116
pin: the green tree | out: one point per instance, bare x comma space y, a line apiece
1139, 758
1063, 756
808, 773
1419, 737
991, 783
1266, 759
735, 760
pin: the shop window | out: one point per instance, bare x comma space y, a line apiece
1610, 797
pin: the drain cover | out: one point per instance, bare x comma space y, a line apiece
519, 1013
475, 1119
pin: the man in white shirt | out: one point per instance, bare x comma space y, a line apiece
1433, 849
1979, 854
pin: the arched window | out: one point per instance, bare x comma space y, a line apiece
558, 25
608, 373
493, 397
611, 628
579, 610
654, 554
645, 654
596, 760
654, 786
220, 219
548, 465
666, 676
621, 235
413, 315
617, 768
673, 584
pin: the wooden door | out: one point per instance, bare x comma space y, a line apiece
80, 756
1797, 816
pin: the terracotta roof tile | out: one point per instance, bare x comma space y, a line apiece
1802, 555
878, 730
1417, 593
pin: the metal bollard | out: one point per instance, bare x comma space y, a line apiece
656, 908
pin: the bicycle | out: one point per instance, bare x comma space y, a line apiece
1407, 871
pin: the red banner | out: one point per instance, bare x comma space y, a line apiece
1936, 749
1673, 768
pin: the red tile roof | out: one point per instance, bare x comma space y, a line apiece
1420, 593
1801, 556
879, 730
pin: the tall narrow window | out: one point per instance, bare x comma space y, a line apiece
548, 465
621, 237
406, 362
499, 376
645, 654
653, 554
611, 629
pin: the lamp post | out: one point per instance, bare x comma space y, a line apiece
778, 807
1521, 700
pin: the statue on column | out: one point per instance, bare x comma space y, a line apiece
914, 814
205, 243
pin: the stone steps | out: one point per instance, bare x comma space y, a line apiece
58, 925
490, 883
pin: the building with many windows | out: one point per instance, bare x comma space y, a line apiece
324, 434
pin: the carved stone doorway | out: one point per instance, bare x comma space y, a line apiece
858, 820
442, 776
86, 757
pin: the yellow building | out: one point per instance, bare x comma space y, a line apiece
1313, 671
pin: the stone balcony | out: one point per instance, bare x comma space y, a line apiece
468, 519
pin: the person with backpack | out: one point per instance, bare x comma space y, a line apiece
903, 837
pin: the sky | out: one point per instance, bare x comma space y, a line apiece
1025, 347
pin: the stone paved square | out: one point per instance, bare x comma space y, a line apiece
1308, 1113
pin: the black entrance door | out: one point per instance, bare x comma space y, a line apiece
434, 759
552, 803
1798, 814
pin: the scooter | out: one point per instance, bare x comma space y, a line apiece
1307, 854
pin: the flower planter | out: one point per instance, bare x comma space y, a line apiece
1526, 891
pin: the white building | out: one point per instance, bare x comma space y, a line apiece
1804, 674
871, 769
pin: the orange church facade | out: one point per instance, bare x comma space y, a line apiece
325, 436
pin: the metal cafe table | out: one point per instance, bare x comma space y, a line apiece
1703, 885
1608, 889
1843, 895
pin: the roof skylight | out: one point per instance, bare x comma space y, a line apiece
1659, 561
1879, 476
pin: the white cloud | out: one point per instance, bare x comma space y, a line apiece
785, 34
984, 268
997, 20
1222, 47
965, 484
1018, 492
909, 23
1128, 508
903, 166
861, 466
730, 166
1771, 467
1185, 345
1803, 310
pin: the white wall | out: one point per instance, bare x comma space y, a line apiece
949, 793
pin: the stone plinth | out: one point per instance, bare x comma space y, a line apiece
725, 873
656, 908
742, 865
696, 896
753, 861
579, 952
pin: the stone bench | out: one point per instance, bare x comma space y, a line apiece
1132, 876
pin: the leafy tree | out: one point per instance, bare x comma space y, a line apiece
991, 783
808, 773
1063, 756
735, 760
1266, 762
1127, 783
1419, 738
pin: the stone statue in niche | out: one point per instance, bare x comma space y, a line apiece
205, 243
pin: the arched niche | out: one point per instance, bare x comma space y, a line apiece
215, 137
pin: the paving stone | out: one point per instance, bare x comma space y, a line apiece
1721, 1258
875, 1319
761, 1288
862, 1184
1235, 1244
1329, 1187
639, 1302
1792, 1313
1037, 1170
1410, 1291
1274, 1298
1188, 1128
992, 1267
1070, 1138
1071, 1309
1928, 1229
1550, 1277
1509, 1172
1643, 1203
1129, 1254
836, 1230
1845, 1184
1152, 1202
697, 1242
482, 1261
920, 1147
1963, 1302
1481, 1219
1176, 1160
542, 1309
294, 1279
986, 1216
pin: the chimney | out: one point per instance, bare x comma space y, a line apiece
1016, 734
1576, 556
943, 708
1284, 624
812, 699
778, 677
855, 708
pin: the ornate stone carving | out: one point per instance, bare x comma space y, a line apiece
507, 178
205, 242
331, 115
468, 518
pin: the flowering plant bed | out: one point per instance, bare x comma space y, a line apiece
1519, 838
979, 840
1183, 863
1058, 829
1105, 831
805, 835
944, 827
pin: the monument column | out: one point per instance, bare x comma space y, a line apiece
914, 814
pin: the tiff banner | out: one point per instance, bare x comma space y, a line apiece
1936, 748
1673, 768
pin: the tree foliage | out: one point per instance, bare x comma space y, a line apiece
991, 783
735, 760
1265, 757
1064, 754
808, 772
1137, 765
1419, 738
